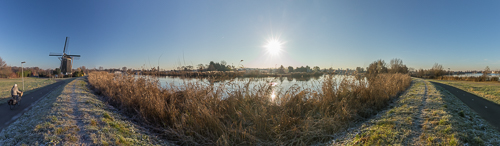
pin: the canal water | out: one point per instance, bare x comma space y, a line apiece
278, 84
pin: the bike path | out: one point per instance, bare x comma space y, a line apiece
7, 115
488, 110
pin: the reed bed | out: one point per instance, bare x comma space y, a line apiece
197, 114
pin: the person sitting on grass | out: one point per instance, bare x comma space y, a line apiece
15, 92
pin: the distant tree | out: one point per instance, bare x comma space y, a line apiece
2, 63
437, 70
5, 71
360, 70
211, 67
101, 68
281, 70
486, 71
290, 69
56, 71
397, 66
377, 67
307, 69
201, 67
124, 69
316, 69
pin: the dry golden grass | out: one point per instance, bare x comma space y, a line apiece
196, 114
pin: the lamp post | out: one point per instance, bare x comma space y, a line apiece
22, 72
449, 73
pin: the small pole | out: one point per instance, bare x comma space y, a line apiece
22, 72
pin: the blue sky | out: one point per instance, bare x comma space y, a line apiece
461, 35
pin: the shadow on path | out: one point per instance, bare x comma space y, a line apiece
488, 110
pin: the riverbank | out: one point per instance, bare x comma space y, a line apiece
196, 114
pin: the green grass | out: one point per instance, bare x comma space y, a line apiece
30, 84
488, 90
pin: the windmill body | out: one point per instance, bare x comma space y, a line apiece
66, 60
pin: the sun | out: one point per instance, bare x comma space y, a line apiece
273, 47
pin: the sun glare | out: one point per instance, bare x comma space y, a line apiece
273, 47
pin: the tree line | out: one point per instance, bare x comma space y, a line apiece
7, 71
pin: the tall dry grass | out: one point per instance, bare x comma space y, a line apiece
197, 114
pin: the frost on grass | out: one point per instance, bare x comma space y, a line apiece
71, 116
444, 120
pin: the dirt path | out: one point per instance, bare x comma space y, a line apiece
488, 110
77, 116
419, 120
9, 116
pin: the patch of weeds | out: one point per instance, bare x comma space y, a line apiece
93, 122
122, 140
453, 141
59, 131
446, 130
104, 143
430, 139
478, 140
53, 119
443, 122
107, 116
385, 123
461, 113
445, 105
71, 138
409, 120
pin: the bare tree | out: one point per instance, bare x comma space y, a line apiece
486, 71
2, 63
437, 70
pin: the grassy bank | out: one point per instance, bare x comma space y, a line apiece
196, 114
30, 84
425, 115
488, 90
73, 115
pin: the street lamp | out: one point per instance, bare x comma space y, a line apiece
22, 72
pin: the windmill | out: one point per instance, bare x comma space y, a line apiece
66, 59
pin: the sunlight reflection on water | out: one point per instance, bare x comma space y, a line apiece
278, 85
